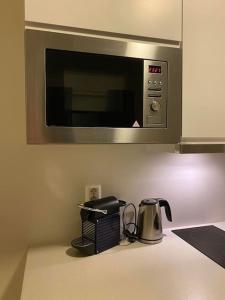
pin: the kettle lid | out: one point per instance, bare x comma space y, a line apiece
150, 201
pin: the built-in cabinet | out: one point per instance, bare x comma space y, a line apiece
148, 18
203, 68
203, 44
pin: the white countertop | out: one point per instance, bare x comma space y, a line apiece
171, 270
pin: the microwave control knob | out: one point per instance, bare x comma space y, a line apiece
155, 106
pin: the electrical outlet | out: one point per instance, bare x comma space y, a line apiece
92, 192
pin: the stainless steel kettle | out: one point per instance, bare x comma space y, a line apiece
149, 225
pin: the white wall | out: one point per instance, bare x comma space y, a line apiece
193, 184
13, 209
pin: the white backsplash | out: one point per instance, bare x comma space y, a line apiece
192, 183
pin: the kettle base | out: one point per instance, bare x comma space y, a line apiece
151, 242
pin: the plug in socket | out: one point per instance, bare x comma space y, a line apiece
92, 192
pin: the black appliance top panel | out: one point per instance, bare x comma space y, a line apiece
209, 240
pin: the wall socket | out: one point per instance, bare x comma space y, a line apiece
93, 192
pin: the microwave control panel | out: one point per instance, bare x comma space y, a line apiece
155, 94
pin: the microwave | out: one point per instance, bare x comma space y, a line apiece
84, 89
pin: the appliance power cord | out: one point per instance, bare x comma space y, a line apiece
131, 235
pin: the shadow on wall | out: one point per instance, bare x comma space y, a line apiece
14, 288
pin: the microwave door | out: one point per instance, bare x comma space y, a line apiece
90, 90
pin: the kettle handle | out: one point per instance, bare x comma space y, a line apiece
164, 203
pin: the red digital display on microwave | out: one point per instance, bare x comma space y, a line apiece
154, 69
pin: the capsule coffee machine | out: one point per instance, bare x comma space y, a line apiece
100, 225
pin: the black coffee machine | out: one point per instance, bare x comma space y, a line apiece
100, 225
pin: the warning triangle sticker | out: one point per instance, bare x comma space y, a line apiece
136, 124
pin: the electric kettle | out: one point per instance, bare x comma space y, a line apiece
149, 225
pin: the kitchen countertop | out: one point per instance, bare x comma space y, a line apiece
169, 270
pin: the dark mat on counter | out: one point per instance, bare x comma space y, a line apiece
209, 240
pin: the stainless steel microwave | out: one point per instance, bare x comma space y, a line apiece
83, 89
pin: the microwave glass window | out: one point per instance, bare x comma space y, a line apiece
91, 90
